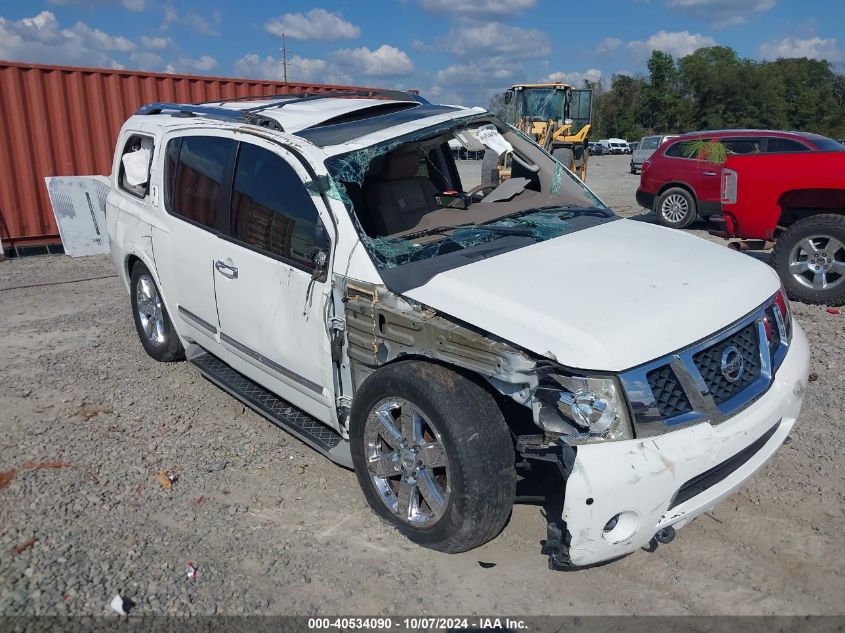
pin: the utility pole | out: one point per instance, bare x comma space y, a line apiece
284, 60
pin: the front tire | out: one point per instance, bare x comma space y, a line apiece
810, 259
153, 324
433, 455
676, 208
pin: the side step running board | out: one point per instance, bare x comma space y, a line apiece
280, 412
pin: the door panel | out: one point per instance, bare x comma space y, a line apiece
194, 177
271, 310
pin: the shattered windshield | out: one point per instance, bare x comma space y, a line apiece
470, 185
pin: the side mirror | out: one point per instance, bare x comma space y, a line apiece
320, 254
508, 96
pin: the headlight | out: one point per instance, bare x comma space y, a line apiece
593, 406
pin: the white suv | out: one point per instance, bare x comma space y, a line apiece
320, 258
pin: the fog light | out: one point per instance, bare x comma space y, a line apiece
621, 526
611, 523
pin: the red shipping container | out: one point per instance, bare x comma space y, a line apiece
64, 121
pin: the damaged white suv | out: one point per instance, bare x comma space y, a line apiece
322, 259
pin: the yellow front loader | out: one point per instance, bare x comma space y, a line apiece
557, 116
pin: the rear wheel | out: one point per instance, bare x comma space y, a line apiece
676, 208
433, 455
155, 329
810, 259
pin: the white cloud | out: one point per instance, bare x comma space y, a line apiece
202, 65
677, 43
608, 45
476, 40
193, 21
129, 5
812, 47
41, 39
309, 69
386, 60
722, 12
573, 78
477, 8
155, 43
316, 24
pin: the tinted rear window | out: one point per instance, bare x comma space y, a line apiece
650, 142
681, 149
778, 145
825, 144
200, 169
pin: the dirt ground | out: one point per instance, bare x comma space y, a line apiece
87, 421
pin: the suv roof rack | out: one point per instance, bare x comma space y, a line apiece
211, 112
293, 97
253, 116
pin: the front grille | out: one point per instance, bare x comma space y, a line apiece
709, 363
669, 397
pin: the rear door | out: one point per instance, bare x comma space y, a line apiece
270, 301
681, 165
195, 174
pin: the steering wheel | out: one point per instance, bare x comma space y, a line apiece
479, 188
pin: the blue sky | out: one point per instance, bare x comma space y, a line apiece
454, 51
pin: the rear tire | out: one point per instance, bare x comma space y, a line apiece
153, 324
433, 455
810, 259
676, 208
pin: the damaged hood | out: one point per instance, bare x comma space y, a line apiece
606, 298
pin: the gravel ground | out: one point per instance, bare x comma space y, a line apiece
89, 420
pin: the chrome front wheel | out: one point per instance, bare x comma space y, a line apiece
407, 462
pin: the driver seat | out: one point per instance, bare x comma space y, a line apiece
399, 199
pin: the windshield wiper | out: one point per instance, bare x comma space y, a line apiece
565, 209
504, 230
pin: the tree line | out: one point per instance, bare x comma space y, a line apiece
714, 88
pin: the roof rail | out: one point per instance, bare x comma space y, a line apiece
211, 112
253, 116
293, 97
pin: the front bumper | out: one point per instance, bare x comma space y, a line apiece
670, 479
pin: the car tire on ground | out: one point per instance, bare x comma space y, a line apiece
565, 156
633, 169
810, 259
490, 167
433, 455
676, 208
155, 329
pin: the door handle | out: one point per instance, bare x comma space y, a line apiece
227, 270
709, 173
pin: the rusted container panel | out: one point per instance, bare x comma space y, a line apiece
64, 121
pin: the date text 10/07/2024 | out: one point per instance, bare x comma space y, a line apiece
415, 623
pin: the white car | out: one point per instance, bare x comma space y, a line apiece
320, 259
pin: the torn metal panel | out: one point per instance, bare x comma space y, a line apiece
382, 327
79, 204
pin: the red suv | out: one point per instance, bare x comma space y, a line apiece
681, 188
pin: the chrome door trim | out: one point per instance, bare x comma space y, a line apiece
193, 318
269, 364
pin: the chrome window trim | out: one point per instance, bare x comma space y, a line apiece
645, 415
